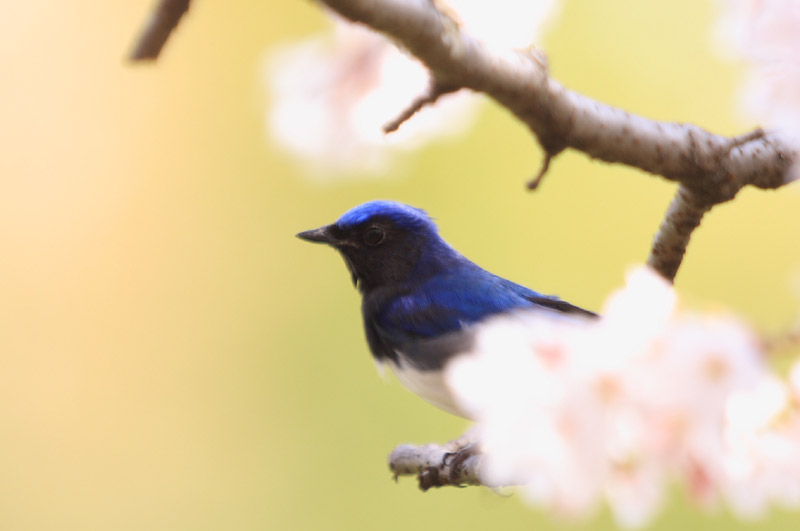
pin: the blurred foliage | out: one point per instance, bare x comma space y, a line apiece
171, 357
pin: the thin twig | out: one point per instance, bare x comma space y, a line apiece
534, 183
434, 92
159, 26
755, 134
788, 339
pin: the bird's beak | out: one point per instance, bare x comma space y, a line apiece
320, 235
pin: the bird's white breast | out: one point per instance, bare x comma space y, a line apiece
428, 384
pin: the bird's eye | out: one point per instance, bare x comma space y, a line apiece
373, 236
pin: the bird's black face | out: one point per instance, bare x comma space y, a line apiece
377, 251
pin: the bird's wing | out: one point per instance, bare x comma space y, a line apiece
448, 303
427, 323
550, 302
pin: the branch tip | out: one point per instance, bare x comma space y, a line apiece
539, 57
736, 141
776, 343
434, 92
158, 28
537, 180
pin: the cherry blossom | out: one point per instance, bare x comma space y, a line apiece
332, 93
578, 413
764, 34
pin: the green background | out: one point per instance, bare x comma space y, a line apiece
171, 357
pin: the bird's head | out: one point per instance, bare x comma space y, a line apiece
385, 242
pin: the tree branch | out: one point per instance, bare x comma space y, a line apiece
456, 463
710, 168
669, 245
163, 20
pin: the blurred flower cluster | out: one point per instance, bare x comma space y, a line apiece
332, 93
578, 413
766, 34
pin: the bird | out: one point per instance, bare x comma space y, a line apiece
423, 302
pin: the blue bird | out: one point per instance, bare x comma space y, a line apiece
421, 299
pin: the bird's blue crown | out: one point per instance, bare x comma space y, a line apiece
404, 216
